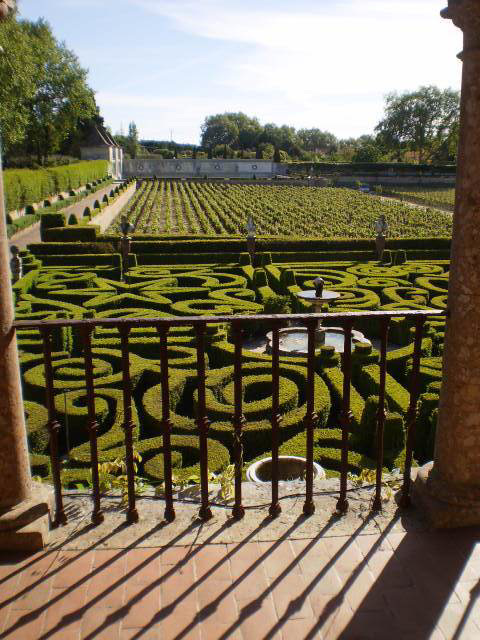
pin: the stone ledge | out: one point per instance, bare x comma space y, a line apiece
26, 526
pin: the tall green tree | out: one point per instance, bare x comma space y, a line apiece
62, 96
44, 95
17, 82
217, 130
132, 140
421, 121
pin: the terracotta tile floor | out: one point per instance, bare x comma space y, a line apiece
406, 585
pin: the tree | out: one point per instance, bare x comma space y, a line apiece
420, 121
318, 141
62, 96
367, 149
219, 130
132, 140
17, 82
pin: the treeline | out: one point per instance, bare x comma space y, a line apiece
45, 102
417, 127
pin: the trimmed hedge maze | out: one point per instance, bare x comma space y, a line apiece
89, 286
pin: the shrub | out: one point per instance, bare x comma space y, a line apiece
72, 219
277, 304
50, 220
364, 439
73, 233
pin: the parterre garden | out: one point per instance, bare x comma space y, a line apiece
183, 207
173, 276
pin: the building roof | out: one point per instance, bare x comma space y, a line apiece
99, 137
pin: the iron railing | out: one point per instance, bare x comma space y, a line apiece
199, 324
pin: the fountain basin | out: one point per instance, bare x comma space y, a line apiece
290, 469
293, 341
311, 296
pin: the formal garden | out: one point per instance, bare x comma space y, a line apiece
182, 273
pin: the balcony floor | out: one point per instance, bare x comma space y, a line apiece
357, 577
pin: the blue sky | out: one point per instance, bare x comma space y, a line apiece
166, 64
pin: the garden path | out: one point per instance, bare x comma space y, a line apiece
31, 235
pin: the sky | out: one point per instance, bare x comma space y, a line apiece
167, 64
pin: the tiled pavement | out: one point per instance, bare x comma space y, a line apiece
407, 585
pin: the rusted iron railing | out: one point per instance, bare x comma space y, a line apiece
200, 324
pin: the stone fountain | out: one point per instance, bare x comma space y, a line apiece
294, 340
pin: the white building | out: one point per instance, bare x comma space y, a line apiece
99, 145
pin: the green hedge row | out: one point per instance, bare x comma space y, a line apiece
362, 168
169, 244
27, 186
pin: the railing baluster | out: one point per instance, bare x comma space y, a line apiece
202, 421
412, 410
53, 427
384, 325
132, 513
275, 507
238, 421
92, 427
345, 416
166, 424
310, 418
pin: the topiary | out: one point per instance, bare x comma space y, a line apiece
387, 257
276, 304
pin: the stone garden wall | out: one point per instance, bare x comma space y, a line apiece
187, 168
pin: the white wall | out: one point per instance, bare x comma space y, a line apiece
186, 168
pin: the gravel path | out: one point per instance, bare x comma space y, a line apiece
31, 235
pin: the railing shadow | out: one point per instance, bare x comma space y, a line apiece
415, 588
83, 580
170, 608
413, 575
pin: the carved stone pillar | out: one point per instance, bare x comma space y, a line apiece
450, 490
24, 508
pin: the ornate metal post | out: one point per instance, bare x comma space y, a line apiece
450, 489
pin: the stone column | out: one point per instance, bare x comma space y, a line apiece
450, 489
14, 467
24, 508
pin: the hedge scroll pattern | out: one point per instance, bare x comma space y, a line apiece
89, 286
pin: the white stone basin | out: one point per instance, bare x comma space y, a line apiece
290, 469
311, 296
